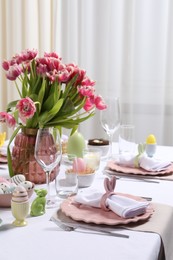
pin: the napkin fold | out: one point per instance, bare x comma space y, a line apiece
123, 206
145, 162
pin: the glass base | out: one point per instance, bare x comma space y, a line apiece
19, 223
52, 202
63, 194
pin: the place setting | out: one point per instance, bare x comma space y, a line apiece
102, 211
142, 163
111, 213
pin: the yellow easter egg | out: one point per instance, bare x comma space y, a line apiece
151, 139
2, 138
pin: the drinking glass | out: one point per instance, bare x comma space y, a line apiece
110, 120
48, 154
126, 141
67, 180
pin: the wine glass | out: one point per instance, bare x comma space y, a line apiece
110, 120
48, 154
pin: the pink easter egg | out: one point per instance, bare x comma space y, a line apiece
79, 165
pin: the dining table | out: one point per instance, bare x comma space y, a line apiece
42, 239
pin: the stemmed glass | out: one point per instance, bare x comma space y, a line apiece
110, 120
48, 154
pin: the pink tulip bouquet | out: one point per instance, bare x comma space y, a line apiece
51, 93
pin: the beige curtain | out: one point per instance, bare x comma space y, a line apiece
23, 24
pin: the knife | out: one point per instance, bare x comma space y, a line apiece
129, 178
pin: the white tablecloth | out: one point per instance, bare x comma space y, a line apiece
42, 239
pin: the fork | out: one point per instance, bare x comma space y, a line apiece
73, 227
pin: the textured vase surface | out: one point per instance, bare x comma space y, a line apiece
23, 160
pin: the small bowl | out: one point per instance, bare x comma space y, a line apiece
5, 199
85, 180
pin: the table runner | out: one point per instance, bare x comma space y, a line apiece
161, 222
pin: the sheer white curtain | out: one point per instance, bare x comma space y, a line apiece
125, 45
23, 24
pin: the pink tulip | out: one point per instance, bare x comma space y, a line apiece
52, 75
88, 104
26, 55
5, 65
99, 103
53, 55
53, 64
86, 91
74, 70
26, 109
64, 76
87, 82
8, 119
42, 69
13, 72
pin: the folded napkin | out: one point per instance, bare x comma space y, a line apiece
123, 206
145, 162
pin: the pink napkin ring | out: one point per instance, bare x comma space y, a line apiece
109, 185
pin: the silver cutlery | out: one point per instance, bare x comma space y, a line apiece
129, 178
146, 198
2, 168
73, 227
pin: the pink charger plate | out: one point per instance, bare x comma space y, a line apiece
98, 216
137, 171
3, 159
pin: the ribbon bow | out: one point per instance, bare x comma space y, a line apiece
109, 185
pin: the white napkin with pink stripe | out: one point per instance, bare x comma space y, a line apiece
124, 207
148, 163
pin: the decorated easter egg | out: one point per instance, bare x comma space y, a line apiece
17, 179
27, 185
10, 190
20, 194
76, 144
4, 186
1, 191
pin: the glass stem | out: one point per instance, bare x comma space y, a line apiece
48, 184
110, 145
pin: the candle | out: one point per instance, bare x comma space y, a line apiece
92, 158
